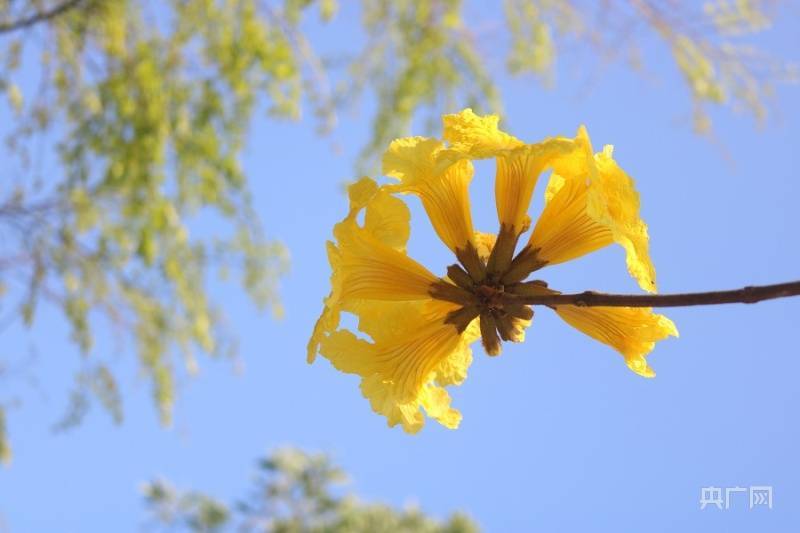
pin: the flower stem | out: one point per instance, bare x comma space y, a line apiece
745, 295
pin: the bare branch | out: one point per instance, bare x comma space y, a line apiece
40, 16
746, 295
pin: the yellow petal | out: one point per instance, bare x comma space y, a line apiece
443, 188
578, 163
615, 203
518, 164
477, 136
484, 243
360, 194
407, 362
633, 332
591, 202
517, 174
400, 366
383, 402
388, 220
412, 159
453, 369
327, 322
329, 318
369, 262
370, 269
434, 400
564, 230
383, 320
446, 201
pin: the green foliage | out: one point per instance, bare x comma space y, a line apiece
532, 48
708, 41
5, 447
191, 511
100, 383
419, 53
148, 104
294, 492
151, 119
720, 67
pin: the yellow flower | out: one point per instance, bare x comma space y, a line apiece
416, 327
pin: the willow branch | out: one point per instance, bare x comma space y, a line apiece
38, 17
745, 295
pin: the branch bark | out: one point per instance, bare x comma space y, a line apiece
745, 295
41, 16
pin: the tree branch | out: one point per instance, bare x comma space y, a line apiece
41, 16
745, 295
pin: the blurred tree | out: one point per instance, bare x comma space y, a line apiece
126, 124
294, 492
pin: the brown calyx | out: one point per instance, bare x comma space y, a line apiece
490, 289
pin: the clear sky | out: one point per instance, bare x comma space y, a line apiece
557, 434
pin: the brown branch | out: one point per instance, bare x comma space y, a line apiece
38, 17
746, 295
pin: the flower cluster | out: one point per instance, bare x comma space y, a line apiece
421, 325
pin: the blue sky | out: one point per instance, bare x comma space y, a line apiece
557, 434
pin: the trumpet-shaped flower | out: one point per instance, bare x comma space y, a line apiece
416, 327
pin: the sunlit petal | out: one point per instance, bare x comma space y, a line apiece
400, 366
633, 332
590, 203
368, 262
478, 137
517, 174
615, 203
442, 188
518, 164
564, 230
369, 269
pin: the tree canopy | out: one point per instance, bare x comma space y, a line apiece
293, 492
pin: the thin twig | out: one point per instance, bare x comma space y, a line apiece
745, 295
38, 17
